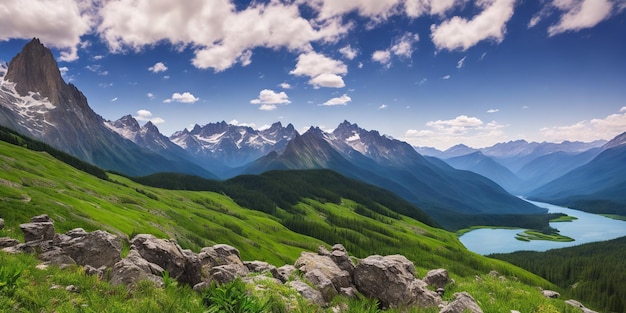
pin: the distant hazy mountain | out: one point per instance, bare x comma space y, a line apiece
221, 147
36, 101
433, 185
598, 186
486, 166
456, 151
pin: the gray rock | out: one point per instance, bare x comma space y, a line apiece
391, 280
43, 218
134, 268
37, 231
322, 269
262, 267
437, 278
307, 292
579, 305
342, 259
322, 283
8, 242
184, 266
550, 294
223, 274
285, 272
90, 270
321, 250
219, 254
1, 223
97, 248
56, 256
463, 302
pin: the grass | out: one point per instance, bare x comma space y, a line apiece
615, 217
563, 218
529, 235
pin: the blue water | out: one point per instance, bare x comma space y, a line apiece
587, 228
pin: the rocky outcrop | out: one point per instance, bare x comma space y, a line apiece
97, 248
182, 265
391, 280
40, 228
437, 278
550, 294
134, 268
1, 223
462, 303
324, 273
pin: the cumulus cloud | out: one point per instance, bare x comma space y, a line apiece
63, 70
150, 95
268, 99
348, 52
446, 77
459, 33
383, 107
343, 100
375, 9
588, 130
417, 8
443, 134
145, 116
237, 123
285, 85
323, 71
114, 99
221, 35
185, 97
401, 47
57, 23
493, 110
158, 67
580, 14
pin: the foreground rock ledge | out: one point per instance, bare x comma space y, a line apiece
317, 277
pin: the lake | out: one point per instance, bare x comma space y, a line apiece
587, 228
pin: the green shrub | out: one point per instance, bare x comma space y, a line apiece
232, 298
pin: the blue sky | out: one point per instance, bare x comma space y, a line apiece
429, 72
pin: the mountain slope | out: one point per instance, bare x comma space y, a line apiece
478, 163
440, 190
35, 101
598, 186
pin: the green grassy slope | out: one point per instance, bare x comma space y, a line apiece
33, 183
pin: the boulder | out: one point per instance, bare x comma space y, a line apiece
437, 278
8, 242
182, 265
285, 272
320, 269
340, 256
134, 268
550, 294
1, 223
97, 248
90, 270
37, 231
391, 280
262, 267
56, 256
463, 303
579, 305
307, 292
223, 274
220, 254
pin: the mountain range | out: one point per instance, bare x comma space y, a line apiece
465, 191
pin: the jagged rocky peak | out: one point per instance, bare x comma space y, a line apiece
127, 121
34, 69
617, 141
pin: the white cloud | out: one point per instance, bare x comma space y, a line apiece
343, 100
493, 110
459, 33
580, 14
285, 85
57, 23
461, 62
185, 97
534, 21
150, 95
63, 70
268, 99
443, 134
375, 9
237, 123
97, 57
446, 77
158, 67
220, 34
588, 130
323, 71
381, 56
93, 67
417, 8
348, 52
401, 47
145, 116
114, 99
383, 106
